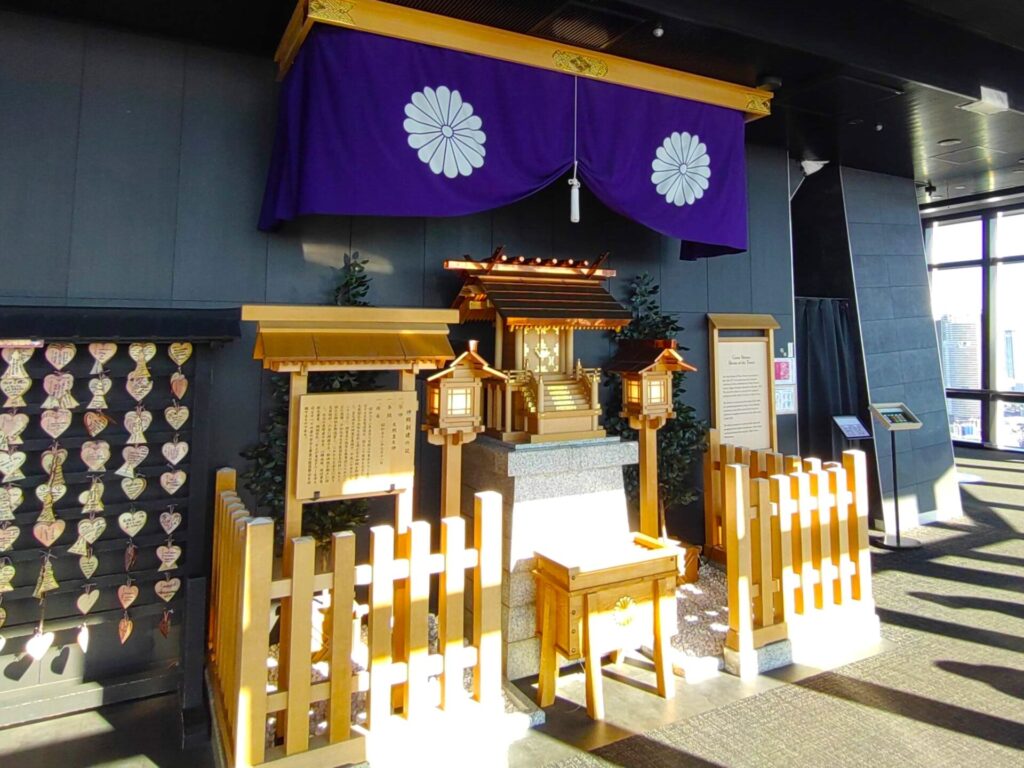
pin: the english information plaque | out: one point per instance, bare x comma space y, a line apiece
355, 443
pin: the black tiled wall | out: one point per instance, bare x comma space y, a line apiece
900, 346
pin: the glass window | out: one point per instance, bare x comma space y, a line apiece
956, 309
964, 419
656, 391
1008, 327
1009, 234
460, 402
954, 241
1009, 424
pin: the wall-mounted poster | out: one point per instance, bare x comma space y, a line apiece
743, 403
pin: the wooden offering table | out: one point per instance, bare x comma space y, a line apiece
592, 601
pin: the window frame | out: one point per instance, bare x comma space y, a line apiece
988, 264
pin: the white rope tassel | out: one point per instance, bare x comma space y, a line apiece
574, 197
574, 183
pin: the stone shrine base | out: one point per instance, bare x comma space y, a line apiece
561, 492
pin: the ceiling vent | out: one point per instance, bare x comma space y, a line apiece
586, 26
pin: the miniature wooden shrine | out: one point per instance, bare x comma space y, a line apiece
455, 417
536, 306
646, 368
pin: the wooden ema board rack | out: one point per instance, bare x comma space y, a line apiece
593, 603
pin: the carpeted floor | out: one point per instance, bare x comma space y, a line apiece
949, 691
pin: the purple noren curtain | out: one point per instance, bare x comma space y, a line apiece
371, 125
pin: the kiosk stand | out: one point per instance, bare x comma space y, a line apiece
896, 417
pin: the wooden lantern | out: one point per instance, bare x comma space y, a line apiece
646, 368
455, 415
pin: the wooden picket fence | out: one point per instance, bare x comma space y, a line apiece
247, 582
796, 545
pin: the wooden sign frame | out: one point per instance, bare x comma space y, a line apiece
740, 328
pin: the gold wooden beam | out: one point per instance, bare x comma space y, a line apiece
445, 32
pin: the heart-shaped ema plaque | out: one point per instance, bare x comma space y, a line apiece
92, 499
172, 482
83, 638
10, 465
53, 460
11, 427
99, 388
168, 556
8, 536
91, 529
174, 452
95, 454
124, 629
58, 390
137, 422
6, 577
132, 522
14, 390
11, 497
179, 385
133, 487
167, 589
60, 355
138, 386
39, 644
56, 422
102, 353
133, 456
176, 416
142, 352
16, 357
179, 352
95, 422
48, 533
87, 600
88, 565
170, 521
126, 594
51, 493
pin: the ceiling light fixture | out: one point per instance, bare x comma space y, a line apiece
950, 142
658, 30
992, 102
960, 186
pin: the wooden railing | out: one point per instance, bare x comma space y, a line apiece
400, 665
797, 558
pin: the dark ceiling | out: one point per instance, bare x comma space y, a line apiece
836, 102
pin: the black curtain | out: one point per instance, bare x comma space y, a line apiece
827, 373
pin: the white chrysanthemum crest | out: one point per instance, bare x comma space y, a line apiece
444, 131
682, 168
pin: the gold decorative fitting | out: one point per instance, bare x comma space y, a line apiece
624, 611
579, 63
336, 11
759, 105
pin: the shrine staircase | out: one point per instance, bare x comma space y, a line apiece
565, 393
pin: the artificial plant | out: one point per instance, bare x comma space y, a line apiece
265, 477
682, 440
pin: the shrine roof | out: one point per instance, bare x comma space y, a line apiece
291, 338
640, 355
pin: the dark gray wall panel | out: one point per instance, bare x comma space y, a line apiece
900, 347
395, 249
303, 259
40, 94
222, 178
126, 192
